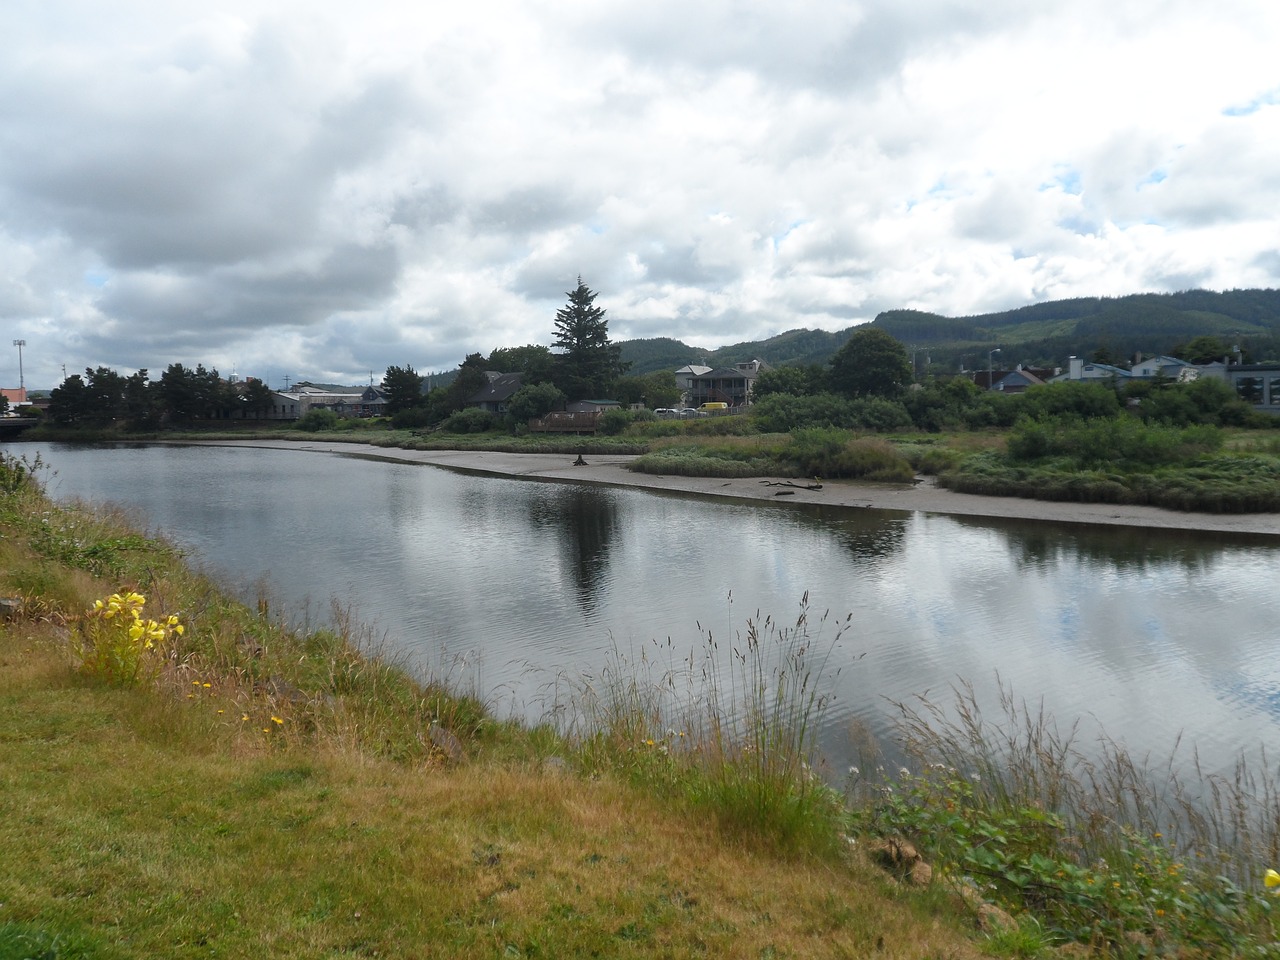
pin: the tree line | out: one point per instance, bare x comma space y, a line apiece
102, 396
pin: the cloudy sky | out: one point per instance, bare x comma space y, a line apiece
321, 189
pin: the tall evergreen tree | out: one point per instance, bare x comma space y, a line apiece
590, 363
403, 387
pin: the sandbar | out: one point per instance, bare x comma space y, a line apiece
922, 496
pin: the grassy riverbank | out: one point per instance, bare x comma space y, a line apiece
264, 791
267, 793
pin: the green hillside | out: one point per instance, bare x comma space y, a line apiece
1041, 334
792, 347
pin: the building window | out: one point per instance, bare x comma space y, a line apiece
1249, 389
1275, 391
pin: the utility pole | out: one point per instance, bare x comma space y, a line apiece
22, 383
287, 378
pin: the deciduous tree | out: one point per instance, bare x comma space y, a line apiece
870, 364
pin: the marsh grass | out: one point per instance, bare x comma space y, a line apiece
1103, 847
819, 451
729, 730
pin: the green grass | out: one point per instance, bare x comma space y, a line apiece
274, 793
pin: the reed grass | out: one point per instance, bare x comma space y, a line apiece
728, 730
815, 452
1129, 855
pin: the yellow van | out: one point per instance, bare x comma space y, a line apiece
712, 407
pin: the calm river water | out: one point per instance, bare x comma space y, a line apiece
511, 586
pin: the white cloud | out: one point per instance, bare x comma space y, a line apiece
319, 190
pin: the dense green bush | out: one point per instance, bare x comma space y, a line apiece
615, 422
316, 420
1206, 400
1107, 443
783, 412
471, 420
1085, 401
959, 404
412, 418
824, 452
534, 400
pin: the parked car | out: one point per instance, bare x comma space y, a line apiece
713, 406
665, 413
687, 412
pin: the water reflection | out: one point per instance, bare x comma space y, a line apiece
586, 523
1147, 632
868, 535
1123, 547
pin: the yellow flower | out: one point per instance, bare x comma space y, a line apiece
1272, 879
276, 720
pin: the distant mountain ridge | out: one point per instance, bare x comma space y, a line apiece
1042, 334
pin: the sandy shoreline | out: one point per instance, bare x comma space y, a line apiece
924, 496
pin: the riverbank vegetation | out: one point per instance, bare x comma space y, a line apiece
247, 788
254, 790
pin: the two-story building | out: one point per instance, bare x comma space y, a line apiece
731, 385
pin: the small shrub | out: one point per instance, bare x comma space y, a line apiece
414, 418
613, 422
314, 421
834, 453
114, 642
471, 420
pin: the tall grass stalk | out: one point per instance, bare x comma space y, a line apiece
731, 729
1103, 844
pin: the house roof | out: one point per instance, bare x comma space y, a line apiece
725, 373
500, 387
1013, 378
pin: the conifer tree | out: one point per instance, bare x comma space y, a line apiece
590, 363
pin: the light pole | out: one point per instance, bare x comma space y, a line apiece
991, 367
22, 383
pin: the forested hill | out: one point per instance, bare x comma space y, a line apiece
793, 347
1148, 322
1043, 334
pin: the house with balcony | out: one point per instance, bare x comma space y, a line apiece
731, 385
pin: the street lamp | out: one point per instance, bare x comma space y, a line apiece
22, 383
990, 367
